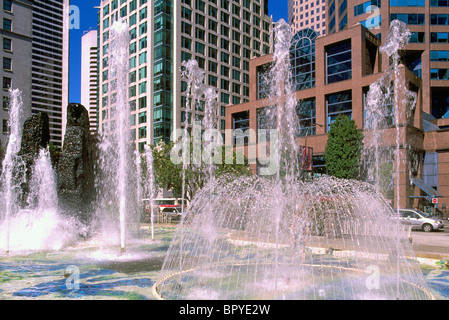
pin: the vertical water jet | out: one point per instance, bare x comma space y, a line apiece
11, 161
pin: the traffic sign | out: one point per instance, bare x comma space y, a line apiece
435, 200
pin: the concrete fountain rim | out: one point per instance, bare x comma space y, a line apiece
158, 295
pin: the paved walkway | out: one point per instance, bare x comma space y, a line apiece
433, 245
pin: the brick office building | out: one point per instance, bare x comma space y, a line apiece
324, 92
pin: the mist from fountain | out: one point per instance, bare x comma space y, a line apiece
283, 238
9, 180
384, 109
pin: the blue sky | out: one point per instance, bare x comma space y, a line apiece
88, 21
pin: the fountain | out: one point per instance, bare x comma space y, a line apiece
9, 183
274, 237
282, 238
30, 219
115, 157
150, 185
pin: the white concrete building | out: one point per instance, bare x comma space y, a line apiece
16, 38
89, 76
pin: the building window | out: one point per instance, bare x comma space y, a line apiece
263, 82
336, 104
407, 3
142, 132
342, 8
343, 22
417, 37
7, 24
436, 55
372, 23
7, 5
366, 7
439, 37
5, 129
6, 101
7, 64
439, 19
440, 103
382, 114
439, 74
439, 3
339, 62
7, 83
302, 53
266, 120
410, 18
142, 117
306, 111
240, 126
7, 44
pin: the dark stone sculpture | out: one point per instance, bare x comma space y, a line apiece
35, 136
76, 176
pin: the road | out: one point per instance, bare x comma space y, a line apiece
432, 244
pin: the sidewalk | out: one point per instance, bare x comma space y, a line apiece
434, 245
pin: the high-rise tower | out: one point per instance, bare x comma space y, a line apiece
50, 63
221, 35
307, 14
16, 38
89, 76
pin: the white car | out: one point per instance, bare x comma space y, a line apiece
174, 213
420, 220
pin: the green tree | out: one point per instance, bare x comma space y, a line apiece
170, 175
344, 149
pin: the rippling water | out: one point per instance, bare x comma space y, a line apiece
105, 275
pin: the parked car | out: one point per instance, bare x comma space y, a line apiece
420, 220
174, 213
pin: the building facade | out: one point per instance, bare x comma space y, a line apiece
426, 55
427, 52
221, 35
50, 64
334, 78
89, 76
307, 14
16, 37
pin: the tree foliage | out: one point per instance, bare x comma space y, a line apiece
169, 175
344, 149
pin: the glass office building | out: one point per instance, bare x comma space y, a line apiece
221, 35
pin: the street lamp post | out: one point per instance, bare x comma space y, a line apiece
307, 136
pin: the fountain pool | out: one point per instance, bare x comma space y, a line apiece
106, 275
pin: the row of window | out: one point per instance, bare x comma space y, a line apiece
7, 47
418, 3
419, 18
366, 7
336, 104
